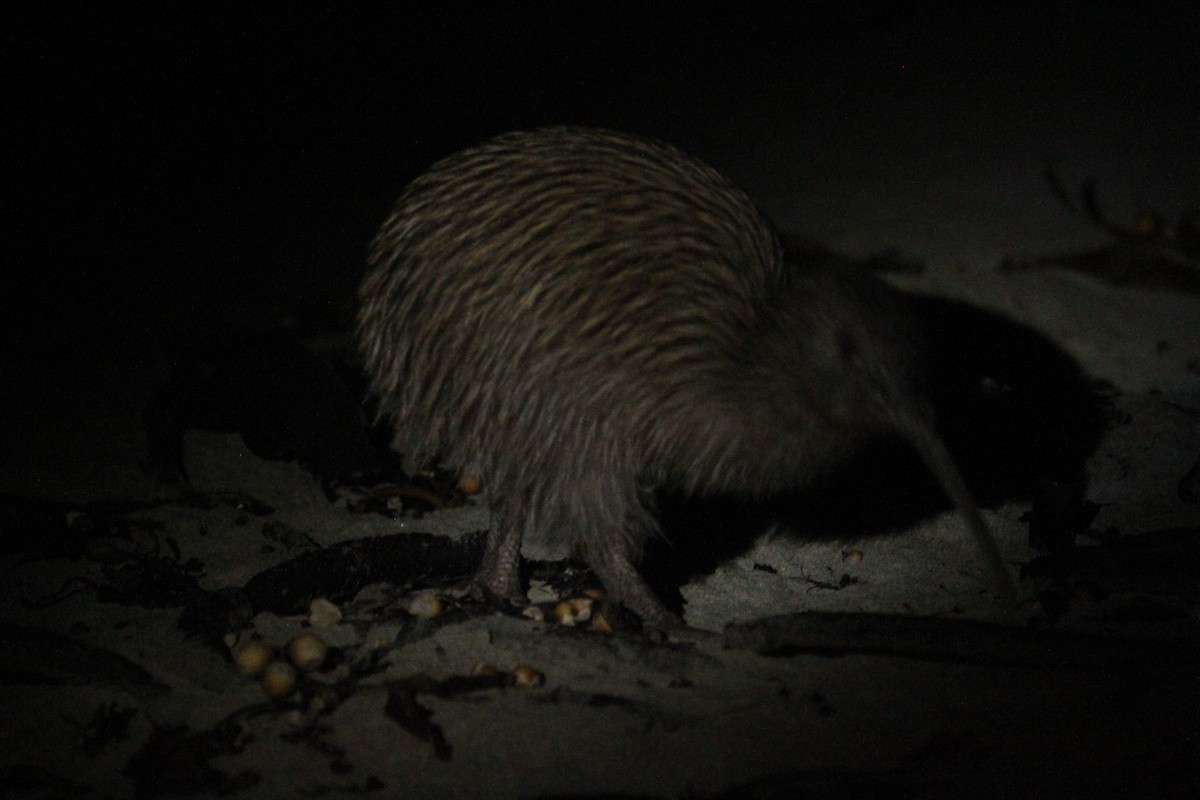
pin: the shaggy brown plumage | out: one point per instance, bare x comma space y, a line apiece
580, 315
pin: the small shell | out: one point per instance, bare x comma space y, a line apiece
852, 556
323, 614
252, 658
535, 613
279, 679
573, 611
470, 484
307, 651
600, 623
324, 700
425, 606
526, 677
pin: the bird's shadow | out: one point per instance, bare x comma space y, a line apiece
1013, 408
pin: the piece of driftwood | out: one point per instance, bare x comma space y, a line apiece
339, 572
943, 639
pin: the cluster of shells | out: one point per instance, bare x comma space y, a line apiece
278, 669
277, 672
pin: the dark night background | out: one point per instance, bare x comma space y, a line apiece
171, 166
177, 171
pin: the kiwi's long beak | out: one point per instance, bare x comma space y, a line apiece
935, 455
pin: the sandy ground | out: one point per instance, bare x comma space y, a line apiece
616, 714
109, 699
